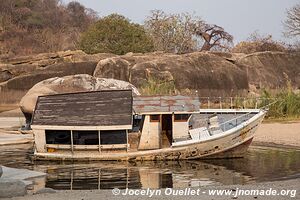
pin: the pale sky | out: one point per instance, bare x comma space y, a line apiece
239, 17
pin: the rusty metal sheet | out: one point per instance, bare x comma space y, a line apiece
158, 104
97, 108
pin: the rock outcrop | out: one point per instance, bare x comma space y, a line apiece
67, 84
210, 73
198, 71
116, 68
28, 80
271, 69
21, 73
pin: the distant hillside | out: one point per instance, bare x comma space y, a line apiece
36, 26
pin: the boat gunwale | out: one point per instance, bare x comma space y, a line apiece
230, 131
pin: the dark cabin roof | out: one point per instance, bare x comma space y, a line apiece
97, 108
165, 104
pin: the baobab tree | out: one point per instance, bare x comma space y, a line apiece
214, 37
183, 33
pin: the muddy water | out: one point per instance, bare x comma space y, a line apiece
259, 165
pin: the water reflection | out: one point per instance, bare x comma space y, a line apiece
260, 164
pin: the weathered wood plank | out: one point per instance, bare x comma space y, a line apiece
98, 108
159, 104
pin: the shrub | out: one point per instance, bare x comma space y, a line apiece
115, 34
258, 43
157, 87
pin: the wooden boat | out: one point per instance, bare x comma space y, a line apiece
113, 125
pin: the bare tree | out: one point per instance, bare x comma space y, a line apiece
172, 33
214, 37
292, 23
183, 33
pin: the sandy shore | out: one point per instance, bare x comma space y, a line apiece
9, 138
278, 134
278, 186
12, 119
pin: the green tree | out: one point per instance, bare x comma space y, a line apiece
115, 34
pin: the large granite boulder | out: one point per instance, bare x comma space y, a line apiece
116, 68
67, 84
199, 71
202, 71
271, 69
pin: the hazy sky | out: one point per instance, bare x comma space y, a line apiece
238, 17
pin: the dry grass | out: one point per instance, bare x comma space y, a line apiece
287, 105
157, 87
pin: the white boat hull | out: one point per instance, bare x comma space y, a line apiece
229, 144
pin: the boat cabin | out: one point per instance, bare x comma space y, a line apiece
110, 120
83, 121
166, 119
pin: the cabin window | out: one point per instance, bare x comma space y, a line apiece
137, 124
113, 137
181, 117
154, 118
85, 138
58, 136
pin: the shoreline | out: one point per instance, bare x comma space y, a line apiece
292, 186
278, 134
274, 145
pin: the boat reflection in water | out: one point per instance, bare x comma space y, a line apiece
137, 175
